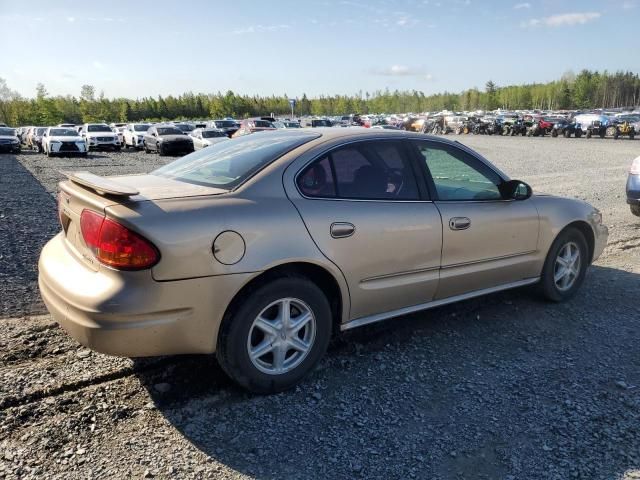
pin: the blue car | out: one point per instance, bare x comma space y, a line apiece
633, 187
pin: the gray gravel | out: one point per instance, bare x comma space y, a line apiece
502, 387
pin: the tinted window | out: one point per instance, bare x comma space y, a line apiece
262, 124
99, 128
459, 176
141, 128
227, 164
6, 131
212, 134
169, 131
317, 179
367, 171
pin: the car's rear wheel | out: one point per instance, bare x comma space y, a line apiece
635, 209
146, 148
578, 133
565, 266
275, 335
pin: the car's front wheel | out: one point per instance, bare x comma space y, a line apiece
565, 266
635, 209
271, 339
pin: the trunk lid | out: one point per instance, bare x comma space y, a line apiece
87, 191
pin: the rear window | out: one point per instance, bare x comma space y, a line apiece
228, 164
99, 128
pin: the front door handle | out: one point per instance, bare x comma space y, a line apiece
342, 229
459, 223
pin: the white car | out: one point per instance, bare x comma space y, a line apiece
63, 141
100, 136
205, 137
134, 134
119, 128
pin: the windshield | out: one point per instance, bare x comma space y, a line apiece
141, 128
169, 131
99, 128
62, 132
262, 124
40, 131
212, 134
227, 164
320, 123
184, 127
292, 125
224, 123
7, 131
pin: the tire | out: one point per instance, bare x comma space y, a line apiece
238, 333
554, 133
160, 150
553, 290
116, 149
602, 133
146, 149
611, 132
632, 135
567, 133
635, 209
578, 133
588, 133
616, 135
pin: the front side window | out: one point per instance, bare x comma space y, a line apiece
363, 171
457, 175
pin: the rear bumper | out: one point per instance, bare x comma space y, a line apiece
129, 313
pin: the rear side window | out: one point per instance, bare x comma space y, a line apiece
363, 171
317, 180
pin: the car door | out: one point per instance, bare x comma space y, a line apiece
366, 211
487, 240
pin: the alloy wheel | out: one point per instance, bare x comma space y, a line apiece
567, 266
281, 336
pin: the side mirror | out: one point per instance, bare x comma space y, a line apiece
515, 190
154, 134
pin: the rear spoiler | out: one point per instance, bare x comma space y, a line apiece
101, 185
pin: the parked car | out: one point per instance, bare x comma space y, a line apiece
185, 127
119, 129
36, 138
67, 125
63, 141
100, 136
316, 122
285, 124
205, 137
133, 134
253, 125
227, 126
633, 187
566, 128
9, 141
167, 140
593, 124
242, 249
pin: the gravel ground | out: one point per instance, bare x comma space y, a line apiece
501, 387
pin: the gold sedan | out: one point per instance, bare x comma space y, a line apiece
259, 248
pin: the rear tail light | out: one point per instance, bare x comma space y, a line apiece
635, 167
115, 245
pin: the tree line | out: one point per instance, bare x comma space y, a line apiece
586, 90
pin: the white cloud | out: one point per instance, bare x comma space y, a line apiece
401, 71
519, 6
563, 20
628, 4
260, 29
71, 19
98, 65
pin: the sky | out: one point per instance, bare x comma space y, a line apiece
149, 48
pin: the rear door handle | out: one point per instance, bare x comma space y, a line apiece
342, 229
459, 223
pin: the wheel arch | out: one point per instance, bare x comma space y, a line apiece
315, 273
586, 230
